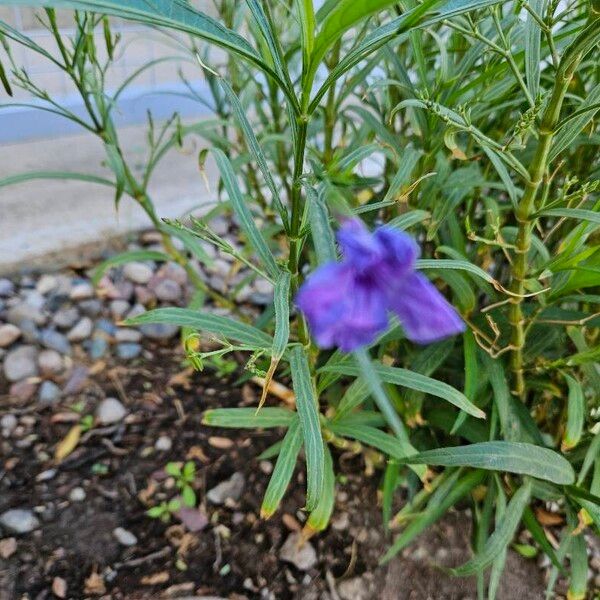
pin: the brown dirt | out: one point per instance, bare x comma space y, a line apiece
236, 555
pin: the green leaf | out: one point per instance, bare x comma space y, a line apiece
248, 418
533, 42
319, 517
243, 213
569, 128
284, 468
65, 175
452, 493
575, 414
501, 537
308, 411
259, 156
126, 257
413, 381
579, 569
572, 213
511, 457
538, 534
281, 301
188, 496
220, 326
371, 436
320, 227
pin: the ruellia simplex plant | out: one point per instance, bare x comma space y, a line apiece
461, 128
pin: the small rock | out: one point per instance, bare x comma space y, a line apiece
341, 522
193, 519
9, 333
8, 547
221, 267
159, 331
353, 589
175, 272
49, 393
143, 295
230, 489
7, 288
262, 286
77, 380
21, 363
124, 537
106, 326
128, 335
128, 351
29, 332
163, 443
167, 290
138, 272
46, 475
34, 299
96, 347
50, 362
77, 494
46, 284
23, 390
82, 291
91, 308
66, 317
81, 331
219, 225
119, 308
19, 520
110, 411
25, 312
303, 557
138, 309
54, 340
8, 423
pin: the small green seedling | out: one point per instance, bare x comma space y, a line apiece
184, 479
165, 510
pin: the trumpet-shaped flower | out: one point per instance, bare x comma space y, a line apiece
347, 303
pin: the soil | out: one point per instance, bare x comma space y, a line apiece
74, 554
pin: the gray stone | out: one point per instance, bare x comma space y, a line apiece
163, 443
21, 363
173, 271
49, 393
82, 290
230, 489
46, 284
8, 423
50, 362
138, 272
91, 308
138, 309
143, 295
9, 333
7, 288
110, 411
66, 317
124, 537
106, 326
77, 494
221, 267
53, 340
127, 351
29, 332
262, 286
128, 335
19, 520
119, 308
301, 555
353, 589
25, 312
159, 331
96, 347
34, 299
219, 225
167, 290
81, 331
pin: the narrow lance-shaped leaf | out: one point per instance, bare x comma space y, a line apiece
281, 301
216, 324
414, 381
575, 414
512, 457
322, 234
501, 537
533, 42
243, 213
246, 418
284, 469
319, 517
308, 411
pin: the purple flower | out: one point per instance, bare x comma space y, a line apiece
346, 303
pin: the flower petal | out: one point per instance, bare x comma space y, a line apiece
400, 251
340, 310
425, 315
359, 246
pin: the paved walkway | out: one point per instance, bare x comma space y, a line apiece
48, 220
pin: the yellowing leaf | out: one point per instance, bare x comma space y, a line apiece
68, 443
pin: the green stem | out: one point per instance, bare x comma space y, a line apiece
525, 209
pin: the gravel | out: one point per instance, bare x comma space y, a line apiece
81, 331
138, 272
49, 393
124, 537
50, 362
302, 555
21, 363
9, 333
110, 411
158, 331
54, 340
230, 489
19, 520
